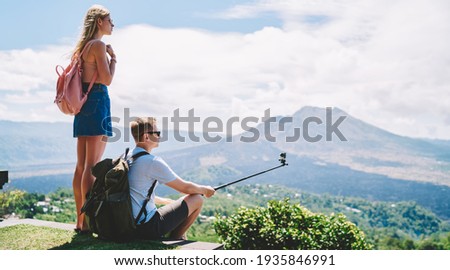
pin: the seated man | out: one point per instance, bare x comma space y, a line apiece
175, 217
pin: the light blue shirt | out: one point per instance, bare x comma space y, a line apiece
143, 172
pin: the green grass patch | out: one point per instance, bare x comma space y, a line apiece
29, 237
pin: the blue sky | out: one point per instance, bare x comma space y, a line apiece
37, 23
383, 61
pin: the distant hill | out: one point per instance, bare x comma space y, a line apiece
367, 149
372, 163
40, 148
373, 150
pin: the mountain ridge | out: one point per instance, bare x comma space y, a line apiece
367, 148
371, 162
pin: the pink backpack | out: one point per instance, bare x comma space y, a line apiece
69, 92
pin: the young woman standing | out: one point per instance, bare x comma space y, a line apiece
92, 125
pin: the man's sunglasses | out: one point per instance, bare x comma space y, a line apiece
158, 133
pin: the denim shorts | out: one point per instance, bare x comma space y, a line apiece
94, 117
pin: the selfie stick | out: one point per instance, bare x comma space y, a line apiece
282, 159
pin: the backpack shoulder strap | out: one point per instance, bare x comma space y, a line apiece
86, 49
143, 210
150, 190
138, 155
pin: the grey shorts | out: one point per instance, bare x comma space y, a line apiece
165, 220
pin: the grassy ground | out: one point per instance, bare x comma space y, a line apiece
29, 237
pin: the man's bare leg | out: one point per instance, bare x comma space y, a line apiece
194, 203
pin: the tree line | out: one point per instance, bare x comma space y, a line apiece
400, 225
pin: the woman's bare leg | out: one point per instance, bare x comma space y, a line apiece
76, 183
95, 147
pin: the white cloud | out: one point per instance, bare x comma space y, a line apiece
385, 62
24, 70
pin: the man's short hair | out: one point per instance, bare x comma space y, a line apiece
141, 125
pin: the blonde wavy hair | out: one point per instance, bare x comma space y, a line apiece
90, 26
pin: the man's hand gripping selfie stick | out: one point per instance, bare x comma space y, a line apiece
282, 159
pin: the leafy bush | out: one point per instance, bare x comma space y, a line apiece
288, 226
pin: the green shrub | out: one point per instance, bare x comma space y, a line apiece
287, 226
